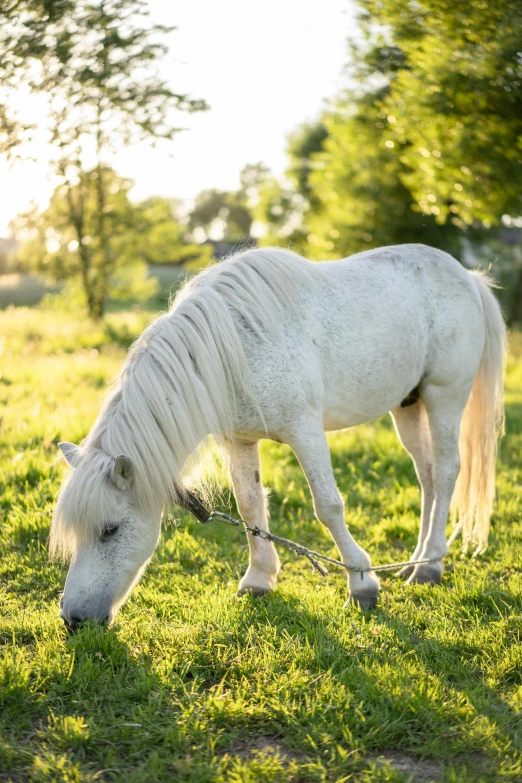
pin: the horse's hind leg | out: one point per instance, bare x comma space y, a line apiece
311, 448
413, 429
261, 575
445, 406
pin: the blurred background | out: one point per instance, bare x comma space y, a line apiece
142, 140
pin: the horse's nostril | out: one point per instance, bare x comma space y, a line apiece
72, 623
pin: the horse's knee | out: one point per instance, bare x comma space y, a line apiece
250, 503
328, 510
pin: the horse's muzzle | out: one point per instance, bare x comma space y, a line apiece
72, 623
73, 616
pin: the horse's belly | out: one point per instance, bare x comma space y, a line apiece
341, 420
357, 398
340, 417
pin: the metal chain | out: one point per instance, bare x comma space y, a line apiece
312, 556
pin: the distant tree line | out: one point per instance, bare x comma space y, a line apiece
138, 235
424, 146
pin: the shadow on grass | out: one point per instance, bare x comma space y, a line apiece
116, 708
106, 712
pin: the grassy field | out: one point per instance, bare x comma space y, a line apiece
193, 684
18, 290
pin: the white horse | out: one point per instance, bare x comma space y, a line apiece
270, 345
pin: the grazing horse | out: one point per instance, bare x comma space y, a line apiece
270, 345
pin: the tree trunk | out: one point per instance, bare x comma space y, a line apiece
97, 310
103, 239
77, 218
86, 282
515, 314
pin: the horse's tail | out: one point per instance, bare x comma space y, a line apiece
481, 429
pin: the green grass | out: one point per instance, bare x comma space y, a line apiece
192, 684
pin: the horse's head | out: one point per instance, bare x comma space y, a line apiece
99, 527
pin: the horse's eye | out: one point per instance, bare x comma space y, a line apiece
109, 532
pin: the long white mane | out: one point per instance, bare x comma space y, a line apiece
182, 380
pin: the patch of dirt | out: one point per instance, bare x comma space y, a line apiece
420, 770
268, 745
475, 760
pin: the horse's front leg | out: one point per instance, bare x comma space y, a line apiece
311, 449
261, 575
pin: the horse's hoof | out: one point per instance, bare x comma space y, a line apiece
255, 592
426, 575
364, 601
405, 572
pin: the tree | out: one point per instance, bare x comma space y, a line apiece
454, 112
279, 209
164, 236
359, 199
454, 104
221, 215
251, 177
138, 235
425, 146
228, 215
352, 177
97, 64
63, 240
303, 145
24, 26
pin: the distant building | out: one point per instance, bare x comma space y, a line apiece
8, 248
9, 245
511, 235
221, 249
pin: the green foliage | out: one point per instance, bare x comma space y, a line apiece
281, 207
360, 196
24, 26
228, 215
191, 684
221, 215
454, 105
137, 236
308, 140
164, 236
64, 240
425, 145
280, 210
97, 65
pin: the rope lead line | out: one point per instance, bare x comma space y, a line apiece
313, 557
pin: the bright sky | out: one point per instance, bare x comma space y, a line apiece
264, 67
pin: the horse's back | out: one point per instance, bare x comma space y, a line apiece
437, 296
412, 311
409, 288
371, 326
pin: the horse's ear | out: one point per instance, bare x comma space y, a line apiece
122, 472
71, 453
